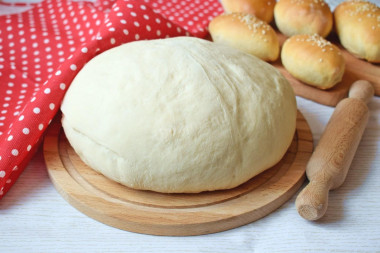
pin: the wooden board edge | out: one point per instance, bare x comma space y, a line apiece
51, 144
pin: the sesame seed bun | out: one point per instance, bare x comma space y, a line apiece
303, 17
313, 60
246, 33
358, 27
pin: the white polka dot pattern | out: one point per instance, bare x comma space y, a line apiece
193, 16
42, 49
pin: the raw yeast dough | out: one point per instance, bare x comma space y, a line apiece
179, 115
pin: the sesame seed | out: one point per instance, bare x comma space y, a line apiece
318, 40
362, 8
254, 24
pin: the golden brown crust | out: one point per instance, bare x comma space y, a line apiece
246, 33
263, 9
303, 17
313, 60
358, 26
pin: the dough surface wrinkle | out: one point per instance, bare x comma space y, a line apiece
231, 115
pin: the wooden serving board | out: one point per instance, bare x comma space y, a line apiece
356, 69
175, 214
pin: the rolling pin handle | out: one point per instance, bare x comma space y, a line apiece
362, 90
312, 201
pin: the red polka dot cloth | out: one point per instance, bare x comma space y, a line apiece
42, 49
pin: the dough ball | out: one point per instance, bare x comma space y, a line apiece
313, 60
263, 9
358, 26
247, 33
179, 115
303, 17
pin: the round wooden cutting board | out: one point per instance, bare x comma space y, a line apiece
175, 214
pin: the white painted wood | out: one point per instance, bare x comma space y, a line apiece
35, 218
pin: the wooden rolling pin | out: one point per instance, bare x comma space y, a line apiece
331, 159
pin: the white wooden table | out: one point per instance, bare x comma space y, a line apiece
35, 218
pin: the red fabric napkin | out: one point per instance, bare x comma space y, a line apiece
42, 50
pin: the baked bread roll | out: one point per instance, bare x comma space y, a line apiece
179, 115
358, 27
263, 9
246, 33
313, 60
303, 17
